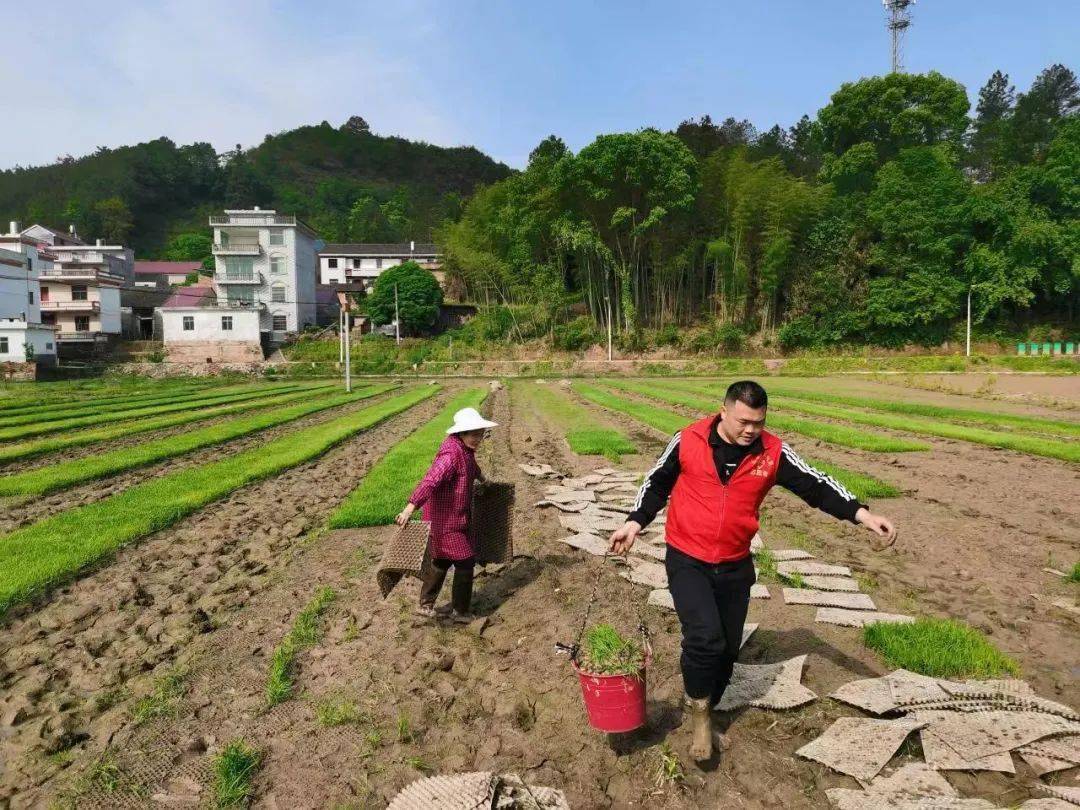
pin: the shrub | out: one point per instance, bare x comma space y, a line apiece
579, 334
419, 297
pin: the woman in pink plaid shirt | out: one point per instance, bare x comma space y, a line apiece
445, 493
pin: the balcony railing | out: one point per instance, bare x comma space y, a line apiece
234, 277
80, 274
254, 218
238, 247
71, 306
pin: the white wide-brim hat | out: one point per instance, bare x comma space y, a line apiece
470, 419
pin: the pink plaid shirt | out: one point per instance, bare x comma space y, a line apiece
445, 492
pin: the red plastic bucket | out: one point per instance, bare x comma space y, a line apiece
614, 703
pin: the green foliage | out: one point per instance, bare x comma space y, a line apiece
234, 768
35, 557
191, 247
580, 333
605, 652
418, 297
1074, 573
940, 648
385, 489
337, 712
163, 699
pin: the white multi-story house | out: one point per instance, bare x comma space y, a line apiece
23, 336
262, 291
359, 264
80, 291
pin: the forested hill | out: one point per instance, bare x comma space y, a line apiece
349, 183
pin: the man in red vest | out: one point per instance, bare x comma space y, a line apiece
717, 472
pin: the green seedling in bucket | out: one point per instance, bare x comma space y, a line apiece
605, 652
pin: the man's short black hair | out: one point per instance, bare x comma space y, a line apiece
747, 392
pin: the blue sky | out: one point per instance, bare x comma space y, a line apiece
497, 75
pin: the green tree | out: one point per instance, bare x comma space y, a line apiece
1054, 95
920, 212
114, 219
419, 297
992, 114
191, 247
366, 222
894, 112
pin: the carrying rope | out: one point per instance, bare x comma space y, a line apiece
573, 649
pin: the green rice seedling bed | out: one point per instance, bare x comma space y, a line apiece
839, 435
384, 490
861, 486
89, 409
1004, 439
940, 648
66, 474
44, 406
993, 419
574, 422
43, 428
53, 550
16, 451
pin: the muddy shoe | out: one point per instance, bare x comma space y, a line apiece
425, 611
462, 618
443, 610
699, 714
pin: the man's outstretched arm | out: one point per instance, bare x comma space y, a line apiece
827, 494
651, 498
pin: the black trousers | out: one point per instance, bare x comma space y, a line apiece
461, 590
711, 600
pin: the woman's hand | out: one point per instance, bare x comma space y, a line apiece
405, 514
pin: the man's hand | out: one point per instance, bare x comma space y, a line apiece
405, 514
623, 537
878, 524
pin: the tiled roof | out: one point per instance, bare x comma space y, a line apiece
170, 268
196, 295
379, 249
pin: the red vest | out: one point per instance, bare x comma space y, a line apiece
707, 519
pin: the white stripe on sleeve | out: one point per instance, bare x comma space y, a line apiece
793, 457
660, 463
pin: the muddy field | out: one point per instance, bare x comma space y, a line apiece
207, 600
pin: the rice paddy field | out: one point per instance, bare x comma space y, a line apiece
189, 614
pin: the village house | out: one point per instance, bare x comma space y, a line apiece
80, 291
23, 336
357, 265
263, 290
154, 274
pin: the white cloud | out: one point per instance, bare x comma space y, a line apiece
117, 73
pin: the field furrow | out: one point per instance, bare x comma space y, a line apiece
38, 556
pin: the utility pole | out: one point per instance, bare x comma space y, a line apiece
397, 319
341, 335
969, 323
899, 14
607, 298
348, 358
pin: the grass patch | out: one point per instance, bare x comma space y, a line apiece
384, 490
765, 562
234, 768
52, 550
669, 771
304, 634
568, 416
940, 648
164, 699
604, 651
46, 406
55, 426
337, 712
1074, 574
861, 486
49, 444
59, 476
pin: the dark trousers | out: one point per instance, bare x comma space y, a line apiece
461, 590
711, 600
